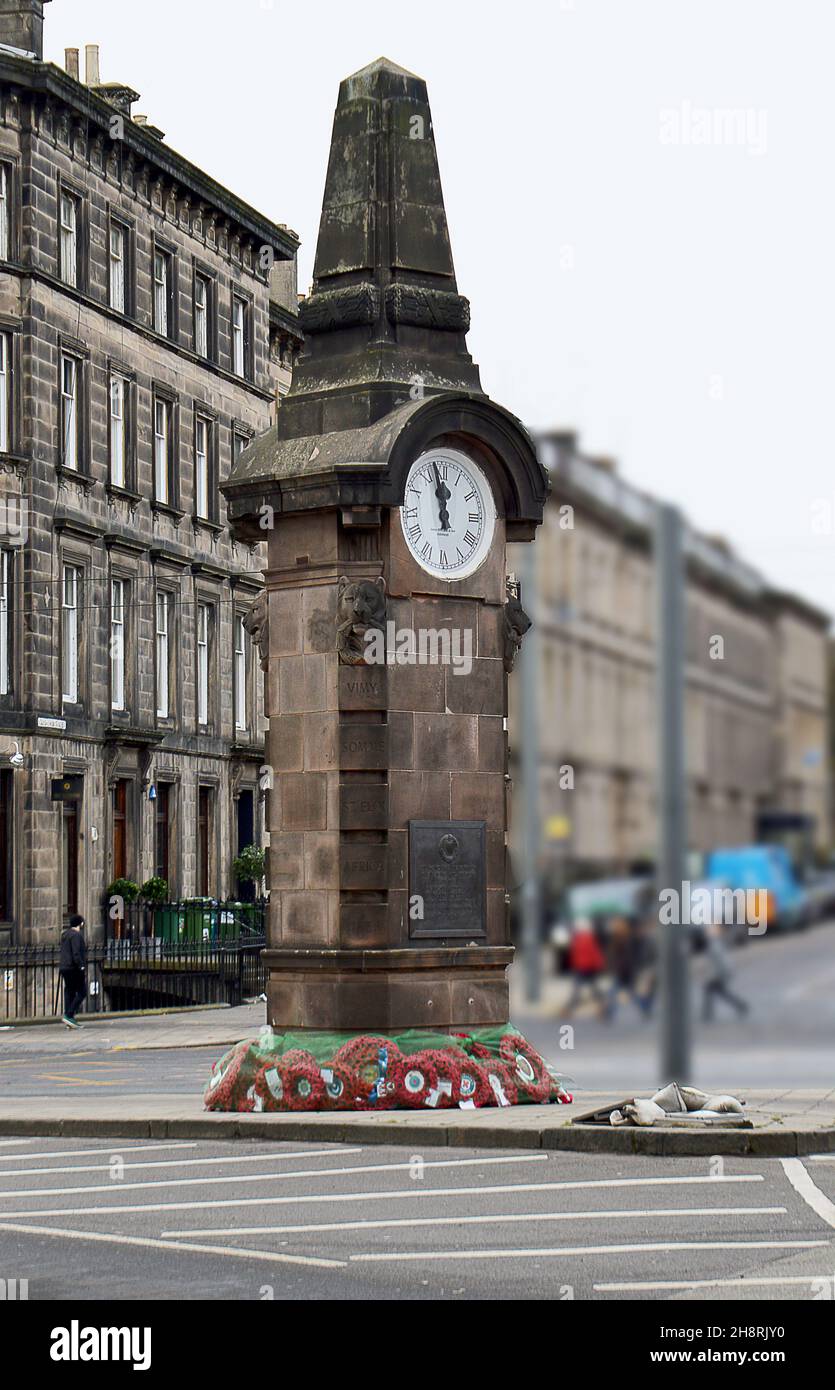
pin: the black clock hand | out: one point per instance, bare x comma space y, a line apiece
443, 495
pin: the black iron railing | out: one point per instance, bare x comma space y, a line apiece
144, 973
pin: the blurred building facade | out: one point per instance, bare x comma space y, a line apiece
756, 683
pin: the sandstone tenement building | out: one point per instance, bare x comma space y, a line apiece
147, 329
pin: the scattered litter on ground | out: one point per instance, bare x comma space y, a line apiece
672, 1105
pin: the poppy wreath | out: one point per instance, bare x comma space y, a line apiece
498, 1078
340, 1087
221, 1089
303, 1084
271, 1086
373, 1084
418, 1078
472, 1084
447, 1068
530, 1073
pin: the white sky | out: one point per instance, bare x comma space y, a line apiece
672, 302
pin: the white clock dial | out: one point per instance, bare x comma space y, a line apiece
448, 514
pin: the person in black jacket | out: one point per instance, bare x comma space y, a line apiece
72, 964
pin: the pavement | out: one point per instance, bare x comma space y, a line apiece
115, 1080
160, 1219
144, 1076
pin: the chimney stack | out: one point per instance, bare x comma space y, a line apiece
21, 25
71, 62
91, 65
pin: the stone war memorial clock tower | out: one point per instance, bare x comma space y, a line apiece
387, 492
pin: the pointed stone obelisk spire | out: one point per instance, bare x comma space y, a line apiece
384, 317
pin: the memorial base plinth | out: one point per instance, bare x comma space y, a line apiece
452, 989
413, 1069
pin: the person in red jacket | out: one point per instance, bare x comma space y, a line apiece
586, 962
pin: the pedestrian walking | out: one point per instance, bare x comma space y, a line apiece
719, 974
622, 961
586, 961
72, 967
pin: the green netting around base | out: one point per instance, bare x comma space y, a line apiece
364, 1071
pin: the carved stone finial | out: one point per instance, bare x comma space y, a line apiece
516, 624
360, 608
257, 624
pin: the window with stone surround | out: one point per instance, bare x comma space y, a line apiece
7, 567
241, 336
5, 212
204, 310
69, 237
240, 674
164, 607
204, 637
118, 623
71, 614
5, 392
71, 411
164, 299
165, 453
119, 266
119, 435
203, 469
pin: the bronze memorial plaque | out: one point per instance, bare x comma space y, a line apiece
447, 871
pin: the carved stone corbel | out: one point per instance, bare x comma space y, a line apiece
360, 608
516, 624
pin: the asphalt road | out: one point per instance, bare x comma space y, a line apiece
141, 1220
787, 1039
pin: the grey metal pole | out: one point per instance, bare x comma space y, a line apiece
673, 940
530, 760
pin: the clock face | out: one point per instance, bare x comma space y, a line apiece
448, 514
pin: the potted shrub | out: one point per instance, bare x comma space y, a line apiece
121, 893
153, 893
249, 867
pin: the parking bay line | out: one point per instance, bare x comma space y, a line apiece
87, 1153
306, 1199
272, 1177
270, 1256
115, 1152
666, 1246
491, 1219
738, 1281
805, 1188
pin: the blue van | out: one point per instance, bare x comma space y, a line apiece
769, 869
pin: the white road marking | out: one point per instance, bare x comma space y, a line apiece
171, 1162
739, 1281
272, 1177
305, 1199
805, 1188
568, 1250
822, 1158
7, 1143
149, 1243
482, 1220
86, 1153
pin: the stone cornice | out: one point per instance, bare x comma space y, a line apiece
47, 80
